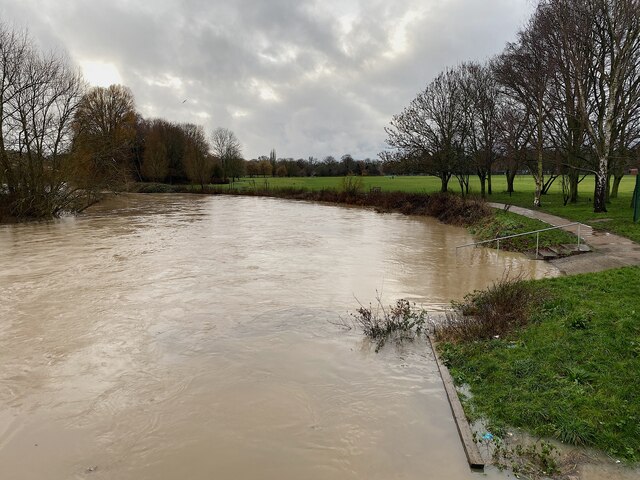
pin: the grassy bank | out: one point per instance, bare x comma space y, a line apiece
572, 374
503, 224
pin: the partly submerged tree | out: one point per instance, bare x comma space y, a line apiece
39, 94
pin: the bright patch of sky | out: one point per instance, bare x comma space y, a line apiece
100, 74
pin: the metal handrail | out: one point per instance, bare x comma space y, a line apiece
537, 232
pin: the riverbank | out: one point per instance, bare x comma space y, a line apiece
572, 374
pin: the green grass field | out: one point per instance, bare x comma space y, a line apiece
619, 218
573, 374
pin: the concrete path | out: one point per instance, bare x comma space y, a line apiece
609, 250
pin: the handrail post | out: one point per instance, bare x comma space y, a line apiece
537, 243
579, 225
498, 244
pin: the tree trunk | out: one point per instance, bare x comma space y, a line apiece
511, 176
445, 183
482, 176
538, 176
489, 189
574, 177
616, 183
600, 192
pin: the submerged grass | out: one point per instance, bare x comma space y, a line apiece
573, 373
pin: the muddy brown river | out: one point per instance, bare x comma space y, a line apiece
170, 337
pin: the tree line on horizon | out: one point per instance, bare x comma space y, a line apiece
560, 102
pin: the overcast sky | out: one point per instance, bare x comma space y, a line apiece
306, 77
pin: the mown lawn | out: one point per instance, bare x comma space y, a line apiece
573, 374
619, 218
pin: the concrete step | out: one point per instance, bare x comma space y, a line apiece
573, 248
547, 254
561, 250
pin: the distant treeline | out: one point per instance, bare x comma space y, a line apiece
561, 102
311, 167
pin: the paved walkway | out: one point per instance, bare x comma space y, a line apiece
609, 250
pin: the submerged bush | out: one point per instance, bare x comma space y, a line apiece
402, 321
496, 311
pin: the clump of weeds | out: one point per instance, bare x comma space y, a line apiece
500, 309
402, 321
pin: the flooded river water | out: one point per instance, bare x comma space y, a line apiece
165, 337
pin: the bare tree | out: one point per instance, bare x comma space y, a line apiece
226, 147
525, 71
264, 166
515, 128
39, 94
433, 126
482, 92
566, 126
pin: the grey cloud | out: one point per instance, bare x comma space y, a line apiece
305, 77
